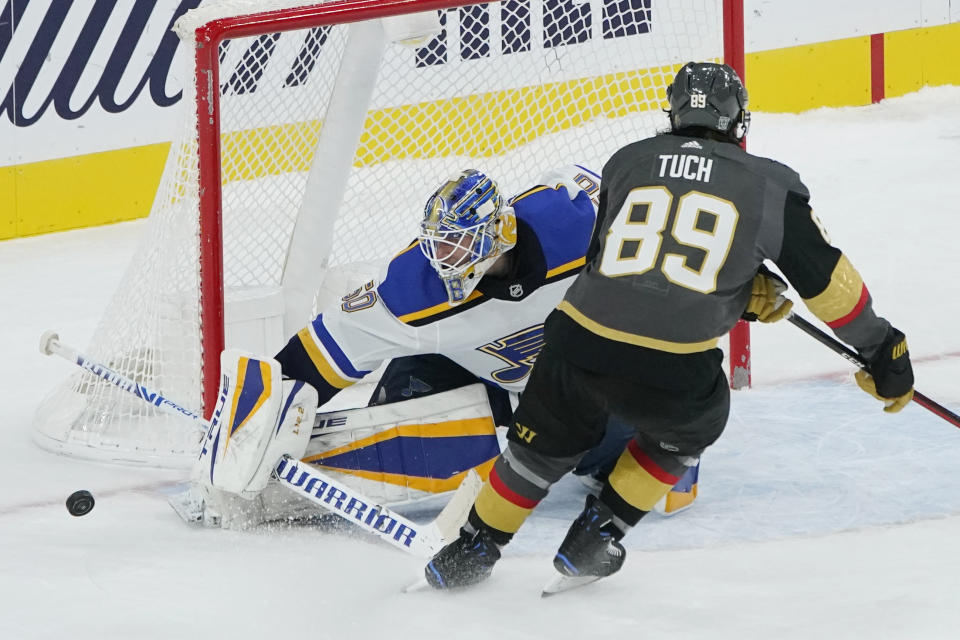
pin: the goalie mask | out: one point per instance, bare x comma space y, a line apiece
465, 228
709, 95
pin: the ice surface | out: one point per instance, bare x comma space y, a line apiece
819, 514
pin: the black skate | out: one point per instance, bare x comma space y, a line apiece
464, 562
590, 551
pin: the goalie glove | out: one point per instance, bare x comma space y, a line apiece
889, 375
767, 302
259, 417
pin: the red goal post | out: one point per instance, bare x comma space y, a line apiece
207, 65
313, 135
738, 353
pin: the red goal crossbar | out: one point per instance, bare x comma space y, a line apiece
208, 38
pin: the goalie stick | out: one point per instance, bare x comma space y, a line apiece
852, 356
304, 479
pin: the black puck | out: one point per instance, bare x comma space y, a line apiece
80, 503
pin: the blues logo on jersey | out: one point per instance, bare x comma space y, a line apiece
519, 350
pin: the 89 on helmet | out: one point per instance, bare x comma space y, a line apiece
710, 96
465, 228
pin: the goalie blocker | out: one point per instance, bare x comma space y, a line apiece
258, 419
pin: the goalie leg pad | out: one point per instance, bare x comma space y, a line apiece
683, 494
410, 450
442, 436
258, 418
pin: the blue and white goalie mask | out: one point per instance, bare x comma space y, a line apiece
465, 228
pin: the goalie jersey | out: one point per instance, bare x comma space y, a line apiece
495, 334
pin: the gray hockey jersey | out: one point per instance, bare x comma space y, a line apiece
684, 223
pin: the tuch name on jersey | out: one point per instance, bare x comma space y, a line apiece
690, 167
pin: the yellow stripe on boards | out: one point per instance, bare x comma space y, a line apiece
112, 186
268, 151
915, 58
80, 191
794, 79
118, 185
488, 124
480, 125
8, 203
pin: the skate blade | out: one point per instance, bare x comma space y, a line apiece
563, 583
187, 506
419, 584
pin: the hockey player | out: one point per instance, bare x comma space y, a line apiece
465, 302
686, 219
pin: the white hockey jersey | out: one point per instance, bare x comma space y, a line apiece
496, 333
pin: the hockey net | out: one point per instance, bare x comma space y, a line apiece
311, 162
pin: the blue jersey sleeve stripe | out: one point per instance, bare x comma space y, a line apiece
321, 363
593, 173
334, 351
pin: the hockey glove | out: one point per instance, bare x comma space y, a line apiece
258, 418
889, 375
767, 303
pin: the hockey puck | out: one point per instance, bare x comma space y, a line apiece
80, 503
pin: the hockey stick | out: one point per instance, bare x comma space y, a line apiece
50, 344
304, 479
852, 356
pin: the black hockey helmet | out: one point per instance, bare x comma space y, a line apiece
711, 96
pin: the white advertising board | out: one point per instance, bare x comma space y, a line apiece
94, 75
773, 24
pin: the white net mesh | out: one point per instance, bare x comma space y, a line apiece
344, 143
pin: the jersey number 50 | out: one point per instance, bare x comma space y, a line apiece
633, 242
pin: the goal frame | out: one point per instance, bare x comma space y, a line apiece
208, 38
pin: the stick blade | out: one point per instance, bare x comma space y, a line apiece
454, 514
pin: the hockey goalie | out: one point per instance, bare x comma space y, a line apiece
457, 315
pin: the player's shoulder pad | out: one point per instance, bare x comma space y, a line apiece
410, 287
637, 148
561, 213
772, 170
574, 178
